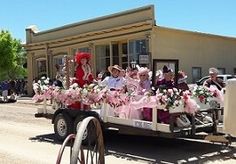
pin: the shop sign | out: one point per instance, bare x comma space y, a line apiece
144, 59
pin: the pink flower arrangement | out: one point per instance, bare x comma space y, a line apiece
170, 98
205, 94
95, 95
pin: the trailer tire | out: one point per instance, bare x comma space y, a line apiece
62, 126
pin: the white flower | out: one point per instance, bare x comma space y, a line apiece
84, 91
35, 86
44, 87
91, 85
201, 92
175, 89
46, 81
73, 86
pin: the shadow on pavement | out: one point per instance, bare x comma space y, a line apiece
163, 150
50, 138
157, 150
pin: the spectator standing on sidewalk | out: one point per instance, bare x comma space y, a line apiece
5, 88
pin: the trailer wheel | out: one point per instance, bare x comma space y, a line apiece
62, 126
89, 134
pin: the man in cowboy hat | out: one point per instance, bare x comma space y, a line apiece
115, 81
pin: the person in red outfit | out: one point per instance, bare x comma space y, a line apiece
83, 75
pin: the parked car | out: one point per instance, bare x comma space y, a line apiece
223, 77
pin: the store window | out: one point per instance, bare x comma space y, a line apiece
221, 71
58, 64
115, 54
138, 52
41, 67
102, 57
124, 55
196, 73
234, 71
82, 49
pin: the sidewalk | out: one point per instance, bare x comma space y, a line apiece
23, 100
27, 100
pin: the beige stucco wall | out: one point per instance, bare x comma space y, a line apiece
194, 49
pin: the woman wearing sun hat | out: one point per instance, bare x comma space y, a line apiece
144, 82
182, 81
143, 87
166, 83
83, 73
116, 81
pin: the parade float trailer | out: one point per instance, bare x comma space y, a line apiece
85, 126
66, 120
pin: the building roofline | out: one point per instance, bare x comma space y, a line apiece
96, 19
91, 34
197, 32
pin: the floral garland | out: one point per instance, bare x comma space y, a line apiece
96, 95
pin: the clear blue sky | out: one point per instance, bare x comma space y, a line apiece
208, 16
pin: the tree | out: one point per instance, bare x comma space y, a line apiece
12, 56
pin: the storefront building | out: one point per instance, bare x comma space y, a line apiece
127, 38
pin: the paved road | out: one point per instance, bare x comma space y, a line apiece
26, 139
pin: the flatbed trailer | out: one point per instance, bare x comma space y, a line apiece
85, 127
68, 122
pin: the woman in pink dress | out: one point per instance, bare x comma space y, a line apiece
143, 85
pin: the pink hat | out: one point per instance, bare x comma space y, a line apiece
143, 70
